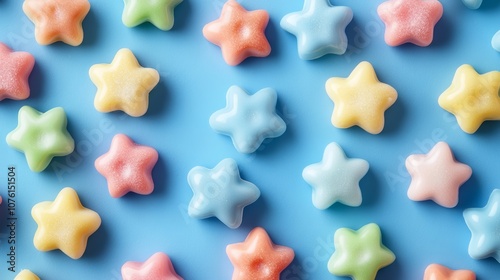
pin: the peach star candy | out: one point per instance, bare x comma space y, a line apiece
436, 176
123, 85
57, 20
26, 275
361, 99
157, 267
64, 224
15, 69
127, 167
41, 136
258, 257
410, 21
439, 272
239, 33
473, 98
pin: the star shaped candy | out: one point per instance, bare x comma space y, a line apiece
472, 98
248, 119
26, 275
123, 85
484, 224
239, 33
436, 176
410, 21
157, 267
41, 136
359, 254
495, 41
361, 99
64, 224
159, 12
258, 257
473, 4
319, 28
439, 272
220, 192
335, 178
127, 167
15, 69
57, 20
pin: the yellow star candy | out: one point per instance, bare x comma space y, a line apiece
472, 98
360, 99
123, 85
64, 224
26, 275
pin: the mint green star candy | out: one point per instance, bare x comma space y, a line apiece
41, 136
159, 12
359, 254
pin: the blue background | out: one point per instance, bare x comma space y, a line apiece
194, 80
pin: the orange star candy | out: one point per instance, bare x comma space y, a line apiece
57, 20
258, 257
439, 272
239, 33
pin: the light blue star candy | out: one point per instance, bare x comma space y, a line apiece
220, 192
319, 28
473, 4
484, 224
335, 178
248, 119
495, 41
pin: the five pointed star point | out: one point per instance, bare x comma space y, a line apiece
361, 99
220, 192
335, 178
159, 13
158, 266
123, 85
64, 224
472, 98
440, 272
437, 176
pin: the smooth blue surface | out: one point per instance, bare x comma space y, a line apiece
193, 85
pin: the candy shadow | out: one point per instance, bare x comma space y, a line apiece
159, 99
487, 128
36, 82
369, 185
160, 177
182, 16
97, 243
487, 4
394, 117
253, 213
90, 28
443, 32
469, 193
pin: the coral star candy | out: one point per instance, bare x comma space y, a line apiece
157, 267
239, 33
127, 167
64, 224
15, 69
361, 99
439, 272
57, 20
123, 84
258, 257
159, 12
410, 21
472, 98
437, 176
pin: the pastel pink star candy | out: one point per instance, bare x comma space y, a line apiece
239, 33
436, 176
15, 69
258, 257
127, 167
440, 272
410, 21
157, 267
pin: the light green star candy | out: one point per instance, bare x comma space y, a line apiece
41, 136
359, 254
159, 12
